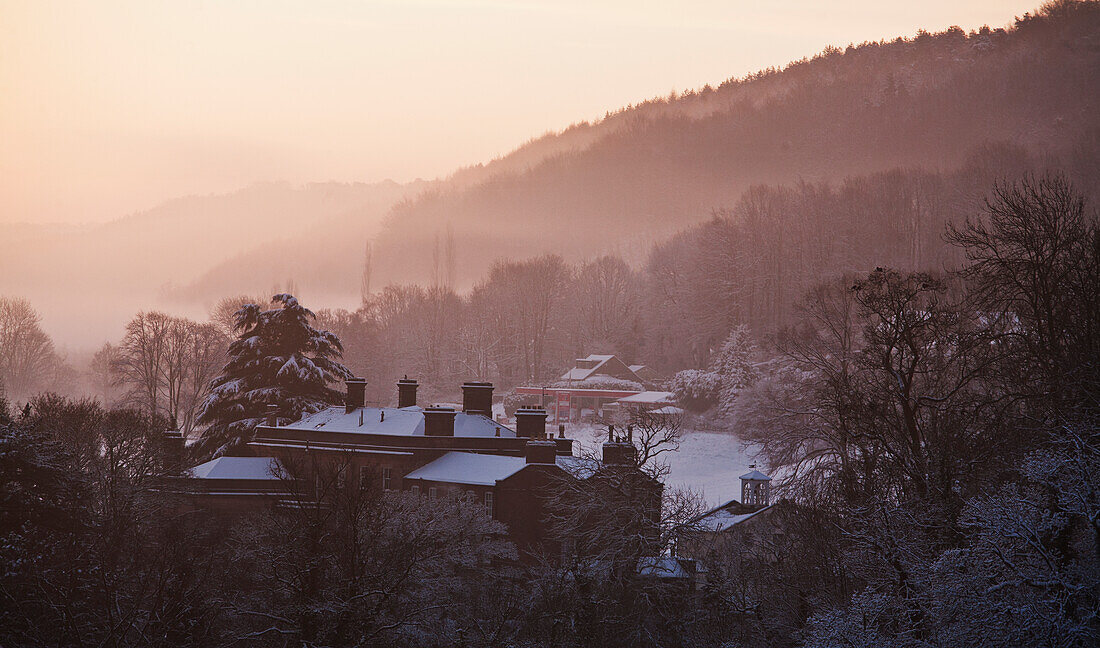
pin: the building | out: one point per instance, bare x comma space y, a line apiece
755, 499
590, 388
432, 451
735, 521
660, 403
608, 366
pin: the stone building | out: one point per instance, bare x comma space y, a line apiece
432, 451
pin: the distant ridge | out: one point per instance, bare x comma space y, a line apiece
644, 172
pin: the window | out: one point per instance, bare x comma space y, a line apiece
387, 478
432, 492
415, 489
364, 477
470, 495
489, 503
342, 478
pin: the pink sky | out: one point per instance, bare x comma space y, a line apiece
111, 107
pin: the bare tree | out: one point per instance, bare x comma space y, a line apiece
102, 371
141, 359
224, 314
27, 355
527, 300
610, 306
343, 562
1035, 255
167, 364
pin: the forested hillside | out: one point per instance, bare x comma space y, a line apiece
929, 101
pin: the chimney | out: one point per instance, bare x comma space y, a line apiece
618, 453
477, 398
272, 416
357, 388
174, 447
531, 422
406, 392
439, 421
541, 451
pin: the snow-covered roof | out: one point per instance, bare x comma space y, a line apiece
237, 468
757, 475
727, 515
578, 467
576, 373
649, 398
593, 362
664, 567
469, 468
406, 421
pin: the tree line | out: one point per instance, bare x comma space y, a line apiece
935, 434
946, 424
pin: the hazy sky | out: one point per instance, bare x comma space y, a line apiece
110, 107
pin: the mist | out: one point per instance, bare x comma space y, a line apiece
479, 323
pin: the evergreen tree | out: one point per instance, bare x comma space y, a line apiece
277, 359
734, 367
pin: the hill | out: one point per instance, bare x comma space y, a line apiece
642, 173
143, 261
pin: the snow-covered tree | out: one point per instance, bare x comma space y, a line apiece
696, 389
734, 367
277, 359
731, 370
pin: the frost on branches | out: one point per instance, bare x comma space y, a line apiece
278, 358
731, 371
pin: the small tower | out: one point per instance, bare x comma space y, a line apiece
755, 488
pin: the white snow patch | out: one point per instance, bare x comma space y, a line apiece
237, 468
709, 463
469, 468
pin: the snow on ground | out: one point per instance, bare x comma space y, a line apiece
709, 463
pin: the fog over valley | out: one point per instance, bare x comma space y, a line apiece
484, 324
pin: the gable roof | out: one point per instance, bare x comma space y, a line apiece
405, 421
756, 475
649, 398
727, 515
469, 468
594, 363
265, 468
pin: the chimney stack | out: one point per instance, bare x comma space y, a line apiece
406, 392
174, 446
477, 398
618, 453
531, 422
439, 421
357, 388
541, 451
272, 415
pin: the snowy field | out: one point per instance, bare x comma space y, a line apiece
708, 463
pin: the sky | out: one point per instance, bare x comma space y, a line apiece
108, 107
